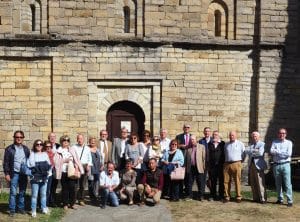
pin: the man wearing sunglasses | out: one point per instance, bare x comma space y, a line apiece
15, 155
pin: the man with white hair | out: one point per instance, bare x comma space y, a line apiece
164, 140
257, 165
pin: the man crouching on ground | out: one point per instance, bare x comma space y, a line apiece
152, 183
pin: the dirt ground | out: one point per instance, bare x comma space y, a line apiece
190, 211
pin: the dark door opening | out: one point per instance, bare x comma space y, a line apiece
125, 114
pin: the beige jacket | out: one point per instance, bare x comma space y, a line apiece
200, 158
58, 162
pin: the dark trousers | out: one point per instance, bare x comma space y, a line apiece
82, 182
52, 194
48, 191
200, 180
174, 189
68, 190
216, 176
166, 188
93, 186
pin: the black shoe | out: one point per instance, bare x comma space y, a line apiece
102, 206
279, 202
21, 211
11, 214
289, 204
263, 202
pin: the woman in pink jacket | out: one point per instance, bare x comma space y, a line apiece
64, 154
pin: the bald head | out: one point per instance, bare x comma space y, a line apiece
232, 136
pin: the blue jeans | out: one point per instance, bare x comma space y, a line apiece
109, 196
282, 174
35, 188
21, 181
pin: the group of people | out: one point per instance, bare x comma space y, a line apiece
134, 171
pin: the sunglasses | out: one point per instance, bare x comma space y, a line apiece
67, 140
173, 144
19, 137
156, 139
39, 144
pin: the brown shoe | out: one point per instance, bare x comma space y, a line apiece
238, 200
66, 208
81, 203
225, 200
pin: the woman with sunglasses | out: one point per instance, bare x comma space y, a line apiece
48, 149
171, 159
40, 166
135, 151
64, 154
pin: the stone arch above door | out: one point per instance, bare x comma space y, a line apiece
103, 94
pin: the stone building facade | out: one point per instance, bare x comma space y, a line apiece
67, 65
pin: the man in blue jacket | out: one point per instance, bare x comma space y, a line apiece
15, 155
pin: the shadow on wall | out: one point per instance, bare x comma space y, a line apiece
286, 111
287, 91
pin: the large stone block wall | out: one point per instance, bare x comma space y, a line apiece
25, 98
156, 20
202, 87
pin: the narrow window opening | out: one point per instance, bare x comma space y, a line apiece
32, 7
0, 21
218, 23
126, 19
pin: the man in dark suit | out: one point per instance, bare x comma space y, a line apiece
184, 142
118, 149
184, 139
105, 147
205, 141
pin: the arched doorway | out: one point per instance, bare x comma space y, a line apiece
125, 113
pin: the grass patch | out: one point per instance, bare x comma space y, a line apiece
55, 215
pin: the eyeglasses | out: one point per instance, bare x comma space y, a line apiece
39, 144
186, 127
156, 139
173, 144
67, 140
19, 137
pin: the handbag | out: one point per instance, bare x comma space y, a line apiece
73, 172
178, 173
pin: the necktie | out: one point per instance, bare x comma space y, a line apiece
186, 139
105, 151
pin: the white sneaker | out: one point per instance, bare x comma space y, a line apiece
46, 210
33, 214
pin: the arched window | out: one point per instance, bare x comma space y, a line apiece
126, 10
218, 23
33, 25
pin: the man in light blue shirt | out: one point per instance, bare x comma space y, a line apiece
281, 150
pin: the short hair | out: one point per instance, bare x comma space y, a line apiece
64, 138
19, 131
193, 136
136, 135
282, 129
129, 160
207, 127
255, 132
172, 141
147, 132
124, 128
163, 129
92, 138
152, 158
